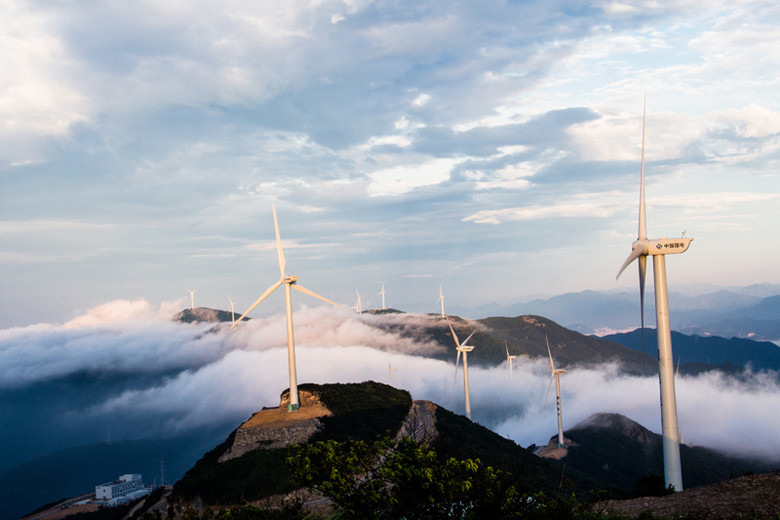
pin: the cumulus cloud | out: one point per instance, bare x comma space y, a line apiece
123, 310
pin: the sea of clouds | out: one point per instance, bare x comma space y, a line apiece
125, 370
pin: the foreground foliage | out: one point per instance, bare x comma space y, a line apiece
408, 479
388, 480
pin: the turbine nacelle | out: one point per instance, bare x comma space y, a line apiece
659, 246
289, 279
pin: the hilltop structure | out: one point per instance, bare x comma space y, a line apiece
125, 489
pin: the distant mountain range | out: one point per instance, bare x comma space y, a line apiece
749, 312
695, 352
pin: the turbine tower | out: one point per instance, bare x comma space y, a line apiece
232, 310
556, 374
289, 281
382, 292
509, 358
658, 249
441, 299
192, 299
465, 349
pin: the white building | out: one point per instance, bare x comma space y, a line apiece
125, 485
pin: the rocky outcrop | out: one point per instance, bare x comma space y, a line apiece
420, 423
277, 427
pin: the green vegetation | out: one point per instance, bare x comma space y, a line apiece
360, 412
386, 480
255, 475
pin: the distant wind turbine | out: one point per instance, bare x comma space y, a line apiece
465, 349
391, 369
359, 303
556, 374
232, 310
441, 299
509, 358
382, 292
658, 248
289, 281
192, 299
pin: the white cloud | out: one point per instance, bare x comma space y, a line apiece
225, 375
404, 178
563, 210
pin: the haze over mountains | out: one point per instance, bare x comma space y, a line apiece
125, 371
747, 312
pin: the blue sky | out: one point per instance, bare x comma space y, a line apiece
492, 149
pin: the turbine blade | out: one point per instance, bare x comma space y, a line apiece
457, 362
642, 217
454, 336
636, 251
546, 397
304, 290
552, 365
467, 339
257, 302
279, 244
506, 346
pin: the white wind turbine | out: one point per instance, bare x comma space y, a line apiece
658, 248
359, 303
509, 358
465, 349
192, 299
391, 370
382, 292
289, 281
441, 299
556, 374
232, 310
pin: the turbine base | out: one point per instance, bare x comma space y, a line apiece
292, 407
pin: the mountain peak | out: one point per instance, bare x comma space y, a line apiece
616, 423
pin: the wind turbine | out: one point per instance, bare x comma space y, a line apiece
658, 249
359, 305
391, 369
441, 299
192, 299
232, 310
382, 292
289, 281
509, 358
556, 374
465, 349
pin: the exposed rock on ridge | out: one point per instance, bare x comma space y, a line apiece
276, 427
